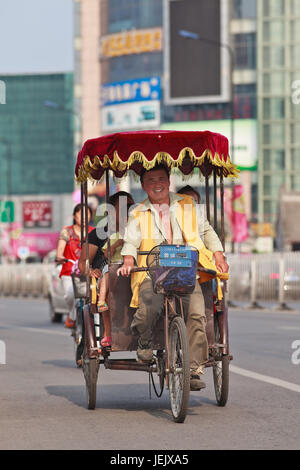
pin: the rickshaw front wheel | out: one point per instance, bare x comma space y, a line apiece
179, 369
221, 371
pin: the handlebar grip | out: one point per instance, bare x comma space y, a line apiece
143, 252
64, 260
137, 270
207, 271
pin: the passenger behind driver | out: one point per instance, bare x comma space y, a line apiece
98, 256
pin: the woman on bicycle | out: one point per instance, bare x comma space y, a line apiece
69, 248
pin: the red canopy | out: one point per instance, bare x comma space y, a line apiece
143, 149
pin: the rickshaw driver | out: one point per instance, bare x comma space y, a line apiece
161, 208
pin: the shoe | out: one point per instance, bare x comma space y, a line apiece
69, 323
144, 355
196, 383
106, 342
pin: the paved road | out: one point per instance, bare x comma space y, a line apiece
42, 393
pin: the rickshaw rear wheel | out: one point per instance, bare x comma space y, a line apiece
179, 369
221, 371
90, 367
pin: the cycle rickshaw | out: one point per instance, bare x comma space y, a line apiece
184, 151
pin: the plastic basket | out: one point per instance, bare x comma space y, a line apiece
173, 269
79, 286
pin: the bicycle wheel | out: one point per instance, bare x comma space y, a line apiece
220, 371
179, 369
78, 333
90, 367
158, 385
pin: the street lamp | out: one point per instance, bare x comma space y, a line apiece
196, 37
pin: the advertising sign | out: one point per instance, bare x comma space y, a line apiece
19, 244
245, 137
129, 91
7, 211
196, 51
37, 214
131, 104
132, 42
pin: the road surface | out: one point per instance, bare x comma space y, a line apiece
43, 402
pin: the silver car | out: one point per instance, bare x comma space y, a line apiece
57, 303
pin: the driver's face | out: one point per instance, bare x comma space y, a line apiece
156, 184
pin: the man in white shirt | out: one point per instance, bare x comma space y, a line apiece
161, 204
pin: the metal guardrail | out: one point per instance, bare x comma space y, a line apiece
24, 280
253, 278
264, 277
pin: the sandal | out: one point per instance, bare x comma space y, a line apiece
106, 342
102, 307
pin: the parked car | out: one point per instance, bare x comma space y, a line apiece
57, 303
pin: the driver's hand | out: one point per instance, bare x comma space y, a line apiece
221, 263
125, 270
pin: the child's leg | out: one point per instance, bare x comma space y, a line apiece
103, 307
103, 289
106, 324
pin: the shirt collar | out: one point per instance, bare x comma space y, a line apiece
174, 198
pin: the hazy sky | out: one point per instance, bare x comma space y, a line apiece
36, 36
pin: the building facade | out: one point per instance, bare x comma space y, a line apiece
36, 136
132, 38
278, 102
37, 162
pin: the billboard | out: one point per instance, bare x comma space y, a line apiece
131, 104
37, 214
131, 42
197, 70
245, 137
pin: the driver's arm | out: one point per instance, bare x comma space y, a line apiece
132, 241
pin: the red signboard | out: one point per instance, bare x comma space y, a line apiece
37, 214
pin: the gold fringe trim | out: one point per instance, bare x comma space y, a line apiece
88, 167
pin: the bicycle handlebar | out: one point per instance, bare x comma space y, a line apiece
64, 260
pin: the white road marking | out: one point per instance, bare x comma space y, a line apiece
265, 378
291, 328
37, 330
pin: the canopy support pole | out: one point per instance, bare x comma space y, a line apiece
222, 208
107, 212
207, 195
215, 200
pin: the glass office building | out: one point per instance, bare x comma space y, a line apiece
125, 15
125, 21
36, 135
278, 102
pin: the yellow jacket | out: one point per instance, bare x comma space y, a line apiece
187, 220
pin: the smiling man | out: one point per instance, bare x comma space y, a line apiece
157, 220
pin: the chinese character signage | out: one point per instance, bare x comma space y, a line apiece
132, 104
132, 42
37, 214
141, 89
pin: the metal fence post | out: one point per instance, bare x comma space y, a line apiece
253, 285
281, 292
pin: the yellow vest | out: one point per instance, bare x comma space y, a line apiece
187, 219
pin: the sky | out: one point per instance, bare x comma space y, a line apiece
36, 36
